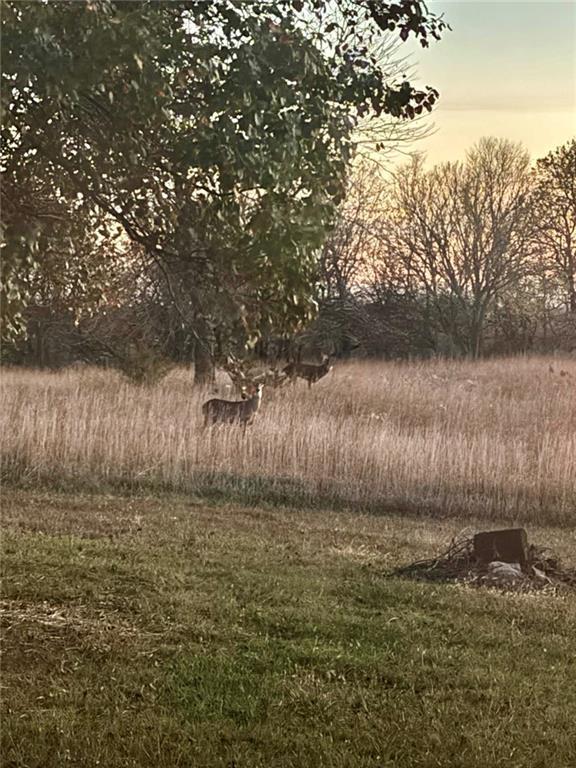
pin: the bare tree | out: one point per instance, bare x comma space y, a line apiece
344, 322
461, 232
555, 215
355, 239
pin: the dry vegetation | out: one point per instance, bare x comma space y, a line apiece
496, 439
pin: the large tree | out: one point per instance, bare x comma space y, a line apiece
217, 133
462, 232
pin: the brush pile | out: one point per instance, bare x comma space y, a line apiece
460, 563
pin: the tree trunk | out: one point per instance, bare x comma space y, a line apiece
204, 368
572, 294
477, 333
476, 343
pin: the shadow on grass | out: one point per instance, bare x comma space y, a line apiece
224, 487
221, 488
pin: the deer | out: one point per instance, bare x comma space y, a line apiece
233, 411
308, 371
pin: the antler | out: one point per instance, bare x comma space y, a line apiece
235, 369
243, 374
273, 377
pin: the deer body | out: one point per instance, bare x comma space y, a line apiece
308, 371
232, 411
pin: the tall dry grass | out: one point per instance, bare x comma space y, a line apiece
493, 439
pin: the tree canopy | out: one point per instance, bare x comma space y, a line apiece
217, 133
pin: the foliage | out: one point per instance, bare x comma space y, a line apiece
68, 266
217, 134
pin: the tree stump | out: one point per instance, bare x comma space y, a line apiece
508, 546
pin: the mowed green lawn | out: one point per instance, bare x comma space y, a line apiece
166, 632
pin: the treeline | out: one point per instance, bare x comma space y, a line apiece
180, 182
462, 259
465, 258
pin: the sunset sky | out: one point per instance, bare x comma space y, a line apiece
507, 69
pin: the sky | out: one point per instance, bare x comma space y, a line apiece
507, 69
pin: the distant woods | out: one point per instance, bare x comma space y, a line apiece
462, 259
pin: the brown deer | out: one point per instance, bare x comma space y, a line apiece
308, 371
233, 411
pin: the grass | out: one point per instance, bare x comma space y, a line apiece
495, 439
163, 631
180, 597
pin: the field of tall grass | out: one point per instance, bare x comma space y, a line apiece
492, 439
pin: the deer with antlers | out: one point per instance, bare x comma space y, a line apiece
308, 371
243, 375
